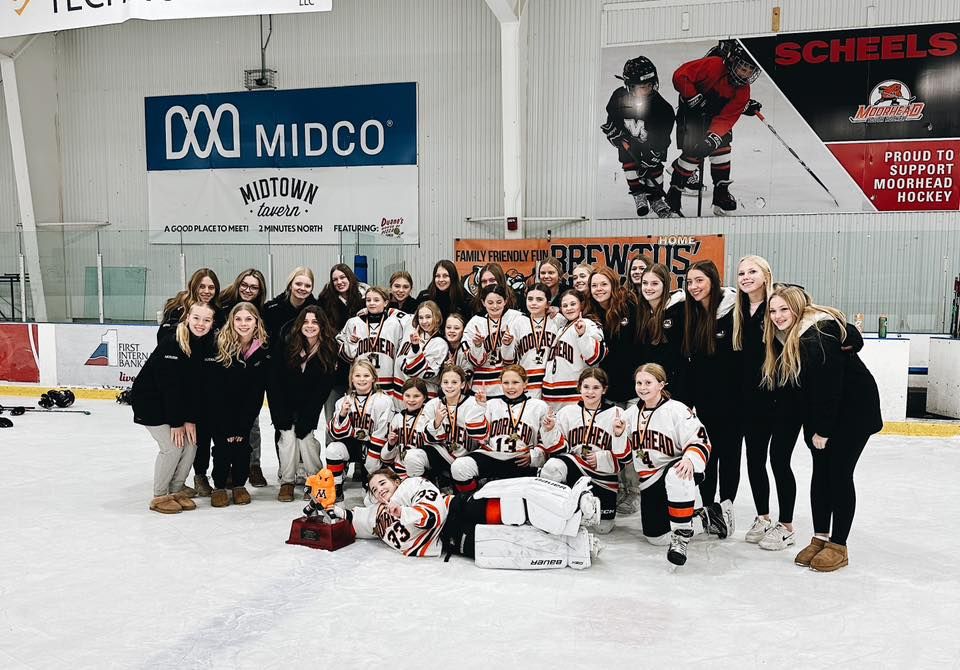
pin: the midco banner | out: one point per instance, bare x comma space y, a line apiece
285, 167
842, 121
24, 17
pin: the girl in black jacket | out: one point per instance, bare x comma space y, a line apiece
340, 299
203, 288
236, 378
302, 377
660, 327
770, 420
167, 400
713, 381
279, 313
615, 309
401, 284
446, 290
841, 410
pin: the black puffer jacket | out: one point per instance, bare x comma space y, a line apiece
169, 388
235, 393
297, 396
715, 380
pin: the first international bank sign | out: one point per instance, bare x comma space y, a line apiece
302, 166
26, 17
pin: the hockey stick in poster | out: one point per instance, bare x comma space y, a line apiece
799, 160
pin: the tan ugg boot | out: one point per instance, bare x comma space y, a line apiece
184, 501
831, 557
241, 496
286, 493
165, 505
807, 553
186, 491
219, 498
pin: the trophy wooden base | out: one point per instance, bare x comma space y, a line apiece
316, 533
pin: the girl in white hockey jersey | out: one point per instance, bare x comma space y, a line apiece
529, 341
455, 425
423, 351
458, 349
525, 523
408, 428
484, 335
578, 345
670, 450
374, 336
514, 444
593, 433
360, 424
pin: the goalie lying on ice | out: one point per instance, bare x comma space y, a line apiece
525, 523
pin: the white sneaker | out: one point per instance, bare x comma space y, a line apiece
777, 538
589, 509
758, 530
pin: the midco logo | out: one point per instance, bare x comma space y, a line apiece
223, 135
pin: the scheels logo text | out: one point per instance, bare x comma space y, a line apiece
867, 48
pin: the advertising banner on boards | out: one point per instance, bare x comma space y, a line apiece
285, 167
102, 355
819, 122
26, 17
521, 258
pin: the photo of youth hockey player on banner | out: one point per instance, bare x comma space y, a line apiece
685, 126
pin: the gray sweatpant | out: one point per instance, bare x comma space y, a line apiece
255, 443
173, 465
292, 450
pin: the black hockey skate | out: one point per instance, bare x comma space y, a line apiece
679, 539
723, 202
662, 209
643, 205
673, 201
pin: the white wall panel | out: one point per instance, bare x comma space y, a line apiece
450, 49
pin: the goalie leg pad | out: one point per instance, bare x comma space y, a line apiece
545, 504
337, 457
415, 462
526, 548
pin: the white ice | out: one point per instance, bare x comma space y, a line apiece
89, 578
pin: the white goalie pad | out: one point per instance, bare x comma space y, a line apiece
548, 505
526, 548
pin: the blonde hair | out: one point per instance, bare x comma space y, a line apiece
228, 342
364, 363
296, 272
657, 372
742, 308
784, 368
380, 291
434, 310
183, 330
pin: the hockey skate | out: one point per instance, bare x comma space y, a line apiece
589, 509
679, 539
718, 519
662, 209
628, 502
673, 201
643, 205
723, 202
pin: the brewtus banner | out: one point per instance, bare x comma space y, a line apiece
24, 17
520, 259
841, 121
285, 167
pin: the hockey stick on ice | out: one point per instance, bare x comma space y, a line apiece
19, 410
799, 160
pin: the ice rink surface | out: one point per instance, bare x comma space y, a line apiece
89, 578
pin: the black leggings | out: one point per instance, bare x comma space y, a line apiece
230, 459
726, 450
832, 493
201, 460
781, 436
